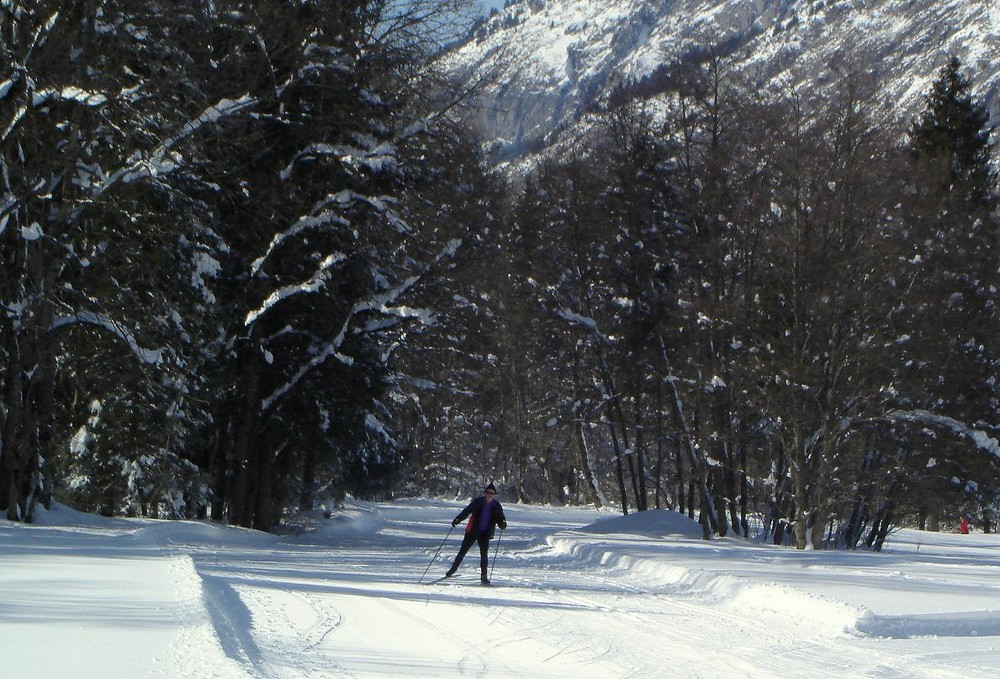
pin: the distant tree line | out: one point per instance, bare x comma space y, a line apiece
253, 262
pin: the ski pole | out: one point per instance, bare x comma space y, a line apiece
497, 549
434, 558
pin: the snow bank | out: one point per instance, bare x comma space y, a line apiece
622, 545
79, 606
653, 523
64, 517
352, 521
965, 624
200, 533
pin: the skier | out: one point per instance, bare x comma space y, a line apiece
963, 526
485, 514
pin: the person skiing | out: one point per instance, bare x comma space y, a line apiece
963, 526
485, 514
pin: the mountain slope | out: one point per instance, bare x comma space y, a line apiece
561, 56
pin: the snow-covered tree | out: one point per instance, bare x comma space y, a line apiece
948, 282
318, 233
230, 196
84, 148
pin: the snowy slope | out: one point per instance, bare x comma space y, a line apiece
580, 594
562, 55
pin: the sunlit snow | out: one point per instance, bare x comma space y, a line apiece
579, 593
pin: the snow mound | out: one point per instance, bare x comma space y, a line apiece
202, 647
199, 533
652, 523
620, 546
963, 624
347, 522
61, 516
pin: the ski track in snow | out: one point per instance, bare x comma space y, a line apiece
569, 604
640, 596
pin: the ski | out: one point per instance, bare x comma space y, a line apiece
444, 578
437, 581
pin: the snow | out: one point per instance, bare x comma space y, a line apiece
581, 593
146, 356
74, 94
32, 232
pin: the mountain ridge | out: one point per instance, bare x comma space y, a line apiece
564, 56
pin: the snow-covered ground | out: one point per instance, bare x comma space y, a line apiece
579, 593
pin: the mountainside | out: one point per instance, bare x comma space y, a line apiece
561, 56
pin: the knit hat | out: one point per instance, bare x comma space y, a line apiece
491, 487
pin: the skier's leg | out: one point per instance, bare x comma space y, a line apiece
467, 541
484, 556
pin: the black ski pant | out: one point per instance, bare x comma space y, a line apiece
484, 551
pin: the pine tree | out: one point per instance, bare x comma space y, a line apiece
953, 132
950, 278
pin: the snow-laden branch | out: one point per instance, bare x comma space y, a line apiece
375, 426
380, 158
41, 36
6, 206
42, 97
158, 161
5, 87
381, 205
71, 94
18, 117
325, 217
146, 356
48, 96
336, 61
579, 319
319, 221
981, 439
314, 284
384, 303
584, 321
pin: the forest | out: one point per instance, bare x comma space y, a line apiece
256, 261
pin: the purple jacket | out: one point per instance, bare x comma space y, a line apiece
474, 509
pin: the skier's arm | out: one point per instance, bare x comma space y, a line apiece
464, 513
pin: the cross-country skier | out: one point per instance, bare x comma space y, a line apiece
485, 514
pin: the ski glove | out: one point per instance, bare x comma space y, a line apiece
503, 525
454, 523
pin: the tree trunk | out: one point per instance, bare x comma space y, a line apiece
744, 493
802, 504
245, 446
583, 452
221, 470
642, 497
619, 468
307, 498
718, 481
699, 473
613, 414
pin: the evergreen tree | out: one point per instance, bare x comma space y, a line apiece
953, 133
950, 280
84, 152
325, 241
233, 195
